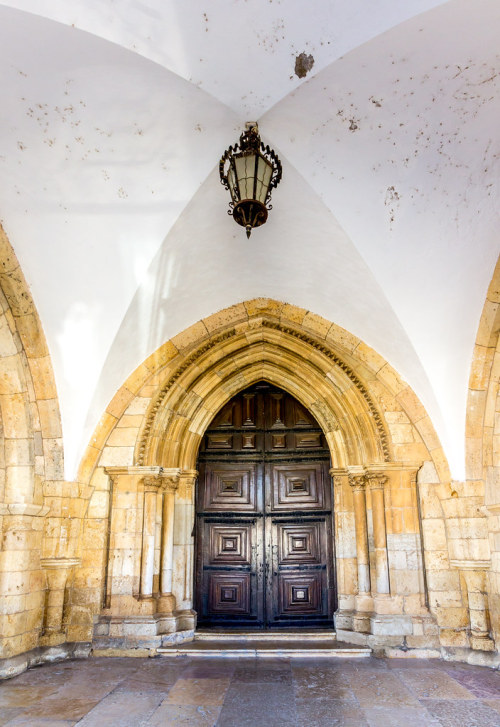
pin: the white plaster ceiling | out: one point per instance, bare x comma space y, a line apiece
113, 118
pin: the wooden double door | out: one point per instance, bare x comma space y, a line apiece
264, 516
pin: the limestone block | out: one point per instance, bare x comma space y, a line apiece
445, 580
50, 420
451, 617
401, 433
117, 456
486, 323
53, 456
123, 437
391, 625
434, 534
448, 599
15, 415
406, 582
453, 637
8, 345
190, 337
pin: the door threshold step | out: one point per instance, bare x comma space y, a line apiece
242, 635
276, 649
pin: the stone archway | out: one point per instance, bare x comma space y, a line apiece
149, 563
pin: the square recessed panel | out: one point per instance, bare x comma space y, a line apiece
299, 485
219, 441
229, 594
229, 544
299, 543
300, 593
308, 440
229, 488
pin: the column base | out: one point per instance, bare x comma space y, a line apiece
52, 638
141, 635
482, 643
364, 603
165, 604
361, 623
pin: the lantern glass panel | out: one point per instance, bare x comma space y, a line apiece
232, 182
264, 172
245, 171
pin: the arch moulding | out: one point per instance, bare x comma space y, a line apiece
142, 464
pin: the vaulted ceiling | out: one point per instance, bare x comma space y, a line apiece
385, 114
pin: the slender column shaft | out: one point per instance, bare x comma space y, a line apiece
55, 598
148, 540
357, 483
377, 482
476, 594
167, 602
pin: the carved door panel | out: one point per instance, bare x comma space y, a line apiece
264, 520
298, 537
230, 550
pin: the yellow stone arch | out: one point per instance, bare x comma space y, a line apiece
282, 355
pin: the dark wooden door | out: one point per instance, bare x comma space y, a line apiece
264, 518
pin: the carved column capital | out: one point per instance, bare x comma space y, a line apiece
376, 480
169, 483
152, 483
357, 482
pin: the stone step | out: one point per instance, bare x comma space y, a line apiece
291, 648
318, 635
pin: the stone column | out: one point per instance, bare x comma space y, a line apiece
183, 575
357, 481
474, 573
166, 602
376, 481
58, 571
151, 486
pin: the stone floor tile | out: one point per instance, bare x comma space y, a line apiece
122, 710
462, 713
212, 668
35, 722
399, 717
60, 708
261, 672
8, 713
329, 713
250, 704
313, 683
433, 684
198, 691
382, 689
493, 703
184, 715
12, 695
414, 663
484, 683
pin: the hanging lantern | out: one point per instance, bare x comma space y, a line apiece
250, 170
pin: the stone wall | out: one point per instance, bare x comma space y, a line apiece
72, 553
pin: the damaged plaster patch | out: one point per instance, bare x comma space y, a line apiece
391, 201
303, 64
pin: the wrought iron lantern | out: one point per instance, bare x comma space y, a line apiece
250, 170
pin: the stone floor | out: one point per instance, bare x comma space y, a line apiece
128, 692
